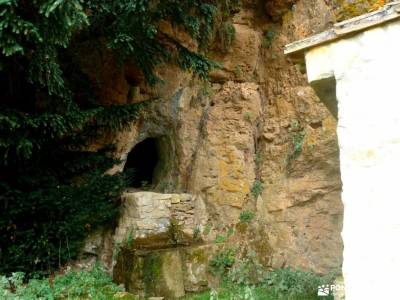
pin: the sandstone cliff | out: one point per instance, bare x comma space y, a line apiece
255, 139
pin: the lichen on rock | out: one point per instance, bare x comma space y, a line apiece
348, 9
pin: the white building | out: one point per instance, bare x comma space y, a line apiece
355, 70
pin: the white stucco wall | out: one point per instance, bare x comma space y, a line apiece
367, 72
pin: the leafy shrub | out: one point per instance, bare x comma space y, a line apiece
254, 292
297, 140
52, 192
239, 275
47, 213
247, 271
85, 284
294, 283
222, 262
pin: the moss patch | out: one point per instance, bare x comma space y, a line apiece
198, 255
152, 267
263, 250
242, 227
173, 238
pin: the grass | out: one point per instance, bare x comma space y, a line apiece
246, 279
241, 277
280, 284
228, 294
257, 293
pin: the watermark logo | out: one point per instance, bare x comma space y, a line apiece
329, 289
324, 290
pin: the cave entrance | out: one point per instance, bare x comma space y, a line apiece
142, 162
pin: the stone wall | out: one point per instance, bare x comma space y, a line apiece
146, 214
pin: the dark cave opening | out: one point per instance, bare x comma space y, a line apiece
142, 162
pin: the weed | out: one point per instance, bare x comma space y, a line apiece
254, 76
248, 116
246, 216
219, 239
214, 295
237, 71
298, 136
258, 159
246, 278
130, 239
145, 185
268, 37
126, 243
226, 36
165, 187
293, 283
205, 90
196, 233
257, 188
246, 271
222, 262
297, 140
250, 292
207, 229
85, 284
117, 251
230, 232
175, 231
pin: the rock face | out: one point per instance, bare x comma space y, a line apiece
299, 155
224, 167
256, 138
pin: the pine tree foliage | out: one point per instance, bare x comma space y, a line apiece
52, 192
